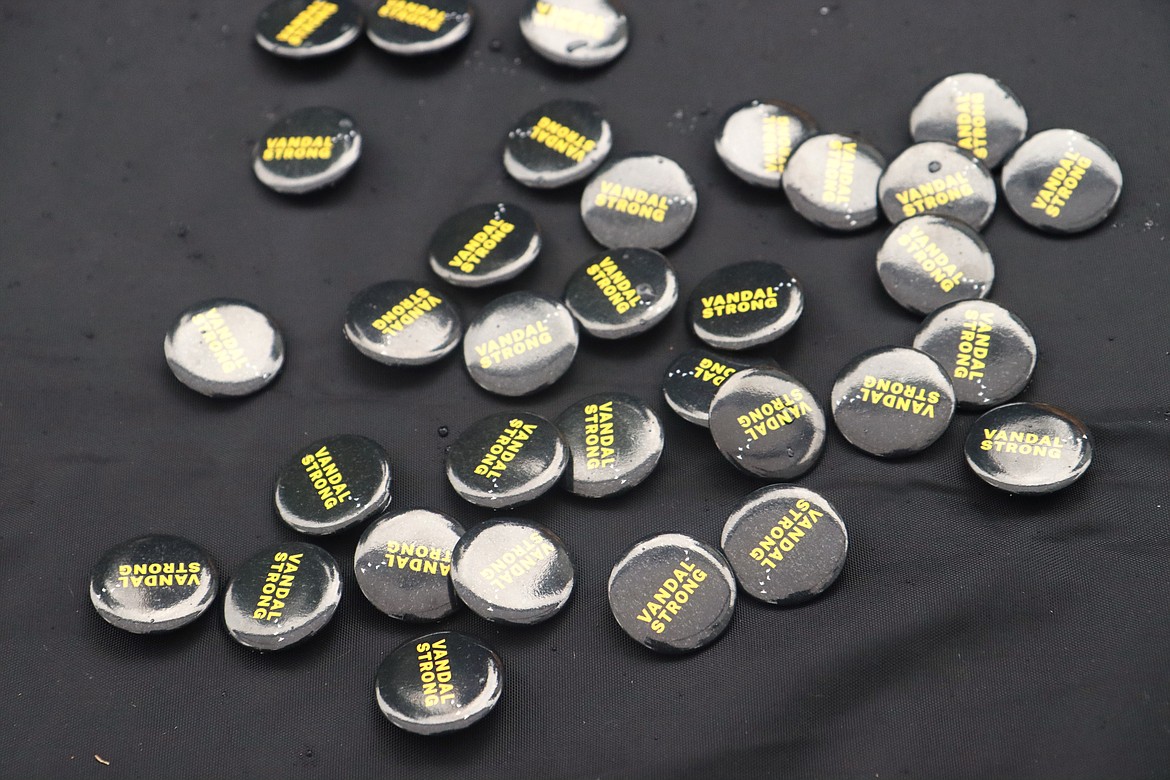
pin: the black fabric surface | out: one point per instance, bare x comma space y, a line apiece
972, 633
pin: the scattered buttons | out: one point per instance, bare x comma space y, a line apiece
512, 571
558, 143
644, 200
892, 401
402, 323
831, 180
281, 596
672, 593
520, 343
974, 112
615, 441
438, 683
309, 149
1029, 448
988, 352
745, 305
1062, 181
224, 347
403, 565
307, 28
506, 459
410, 28
786, 544
622, 293
484, 244
767, 424
333, 484
758, 137
578, 33
693, 379
940, 179
153, 583
930, 261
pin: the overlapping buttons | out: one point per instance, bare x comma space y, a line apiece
309, 149
512, 571
520, 343
403, 564
692, 380
224, 347
976, 113
988, 352
757, 138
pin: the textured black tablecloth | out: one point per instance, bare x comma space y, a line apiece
972, 633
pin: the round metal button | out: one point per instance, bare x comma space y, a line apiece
786, 544
831, 180
153, 583
757, 138
745, 305
333, 484
939, 179
512, 571
506, 459
224, 347
988, 352
402, 323
410, 29
484, 244
614, 440
644, 200
300, 29
621, 293
403, 565
520, 343
976, 113
557, 143
1029, 448
693, 379
672, 593
893, 401
929, 261
309, 149
577, 33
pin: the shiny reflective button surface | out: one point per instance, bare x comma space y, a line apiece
929, 261
409, 28
332, 484
939, 179
757, 138
484, 244
281, 596
520, 343
577, 33
831, 180
512, 571
672, 593
988, 352
153, 583
893, 401
403, 323
506, 459
1029, 448
786, 544
622, 292
614, 441
300, 29
308, 149
975, 112
745, 305
768, 424
1062, 181
644, 200
403, 564
438, 683
224, 347
557, 143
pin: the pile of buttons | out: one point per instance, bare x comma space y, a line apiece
672, 593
